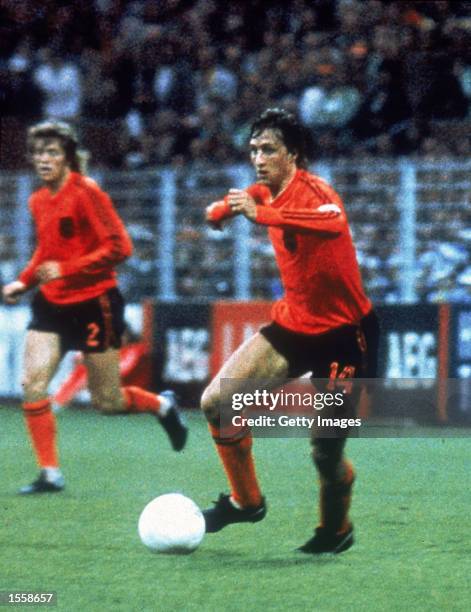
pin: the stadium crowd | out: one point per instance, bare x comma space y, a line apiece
179, 80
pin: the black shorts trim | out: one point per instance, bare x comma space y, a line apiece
347, 345
91, 326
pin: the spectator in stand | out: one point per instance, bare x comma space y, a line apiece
213, 80
182, 55
22, 97
385, 107
332, 102
445, 98
463, 72
60, 83
172, 81
100, 91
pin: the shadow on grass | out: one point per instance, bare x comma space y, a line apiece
292, 558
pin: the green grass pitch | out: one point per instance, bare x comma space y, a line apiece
411, 512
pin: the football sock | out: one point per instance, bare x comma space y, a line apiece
139, 400
237, 459
335, 498
41, 424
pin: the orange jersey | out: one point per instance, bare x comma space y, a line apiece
314, 252
79, 228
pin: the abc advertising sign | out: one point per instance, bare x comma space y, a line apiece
413, 354
192, 341
409, 336
422, 342
232, 324
409, 342
460, 341
181, 348
459, 408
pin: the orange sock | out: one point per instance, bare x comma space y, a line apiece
237, 459
138, 400
41, 424
335, 499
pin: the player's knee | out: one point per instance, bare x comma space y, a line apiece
34, 385
107, 403
210, 405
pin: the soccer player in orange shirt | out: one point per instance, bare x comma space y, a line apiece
78, 306
323, 324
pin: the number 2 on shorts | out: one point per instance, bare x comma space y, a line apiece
93, 331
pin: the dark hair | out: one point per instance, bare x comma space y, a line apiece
292, 132
63, 132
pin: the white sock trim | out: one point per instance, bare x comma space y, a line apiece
234, 503
52, 473
165, 405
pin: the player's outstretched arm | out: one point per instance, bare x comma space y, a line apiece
13, 291
216, 213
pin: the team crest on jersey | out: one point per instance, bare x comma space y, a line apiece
289, 240
66, 227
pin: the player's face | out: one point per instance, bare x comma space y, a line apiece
273, 164
50, 161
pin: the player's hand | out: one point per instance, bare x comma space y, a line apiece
13, 291
48, 271
242, 203
216, 212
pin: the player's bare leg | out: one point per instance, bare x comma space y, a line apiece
104, 381
42, 356
255, 359
111, 398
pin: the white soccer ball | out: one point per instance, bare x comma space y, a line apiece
171, 523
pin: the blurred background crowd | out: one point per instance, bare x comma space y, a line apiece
176, 84
179, 81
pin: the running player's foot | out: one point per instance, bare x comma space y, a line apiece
224, 513
173, 423
325, 542
44, 484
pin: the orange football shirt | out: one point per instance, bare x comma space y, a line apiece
314, 252
79, 228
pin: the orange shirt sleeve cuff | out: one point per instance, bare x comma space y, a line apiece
218, 211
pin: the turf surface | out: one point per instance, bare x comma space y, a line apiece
411, 512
